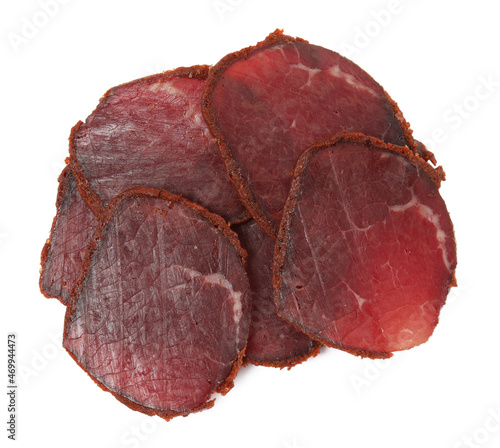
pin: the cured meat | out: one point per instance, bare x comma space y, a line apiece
63, 253
272, 341
353, 248
160, 314
266, 104
366, 253
151, 133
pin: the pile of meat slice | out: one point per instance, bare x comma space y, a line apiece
248, 212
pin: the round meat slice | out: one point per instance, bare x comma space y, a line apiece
160, 314
64, 251
272, 341
366, 253
151, 133
266, 104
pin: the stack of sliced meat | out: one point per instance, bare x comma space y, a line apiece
246, 212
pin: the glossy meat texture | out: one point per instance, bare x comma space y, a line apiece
160, 315
151, 133
272, 341
368, 252
72, 229
266, 104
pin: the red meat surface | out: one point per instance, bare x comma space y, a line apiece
72, 229
160, 314
266, 104
151, 133
366, 252
272, 341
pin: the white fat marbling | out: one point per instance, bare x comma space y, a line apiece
220, 280
426, 212
311, 72
215, 279
360, 299
337, 72
192, 113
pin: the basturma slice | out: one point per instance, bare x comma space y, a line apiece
151, 133
265, 104
365, 254
272, 341
160, 314
64, 251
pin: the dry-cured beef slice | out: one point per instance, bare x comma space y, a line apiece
151, 133
160, 314
272, 341
266, 104
72, 229
366, 253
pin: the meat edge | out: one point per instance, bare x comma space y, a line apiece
62, 189
286, 362
61, 192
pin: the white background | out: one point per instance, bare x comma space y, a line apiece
440, 62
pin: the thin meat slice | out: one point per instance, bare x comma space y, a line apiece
272, 341
265, 104
160, 314
151, 133
72, 229
366, 253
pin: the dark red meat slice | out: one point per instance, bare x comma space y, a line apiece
366, 252
272, 341
160, 315
266, 104
72, 229
151, 133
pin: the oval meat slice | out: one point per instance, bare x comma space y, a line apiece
265, 104
151, 133
366, 253
64, 251
272, 341
160, 315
